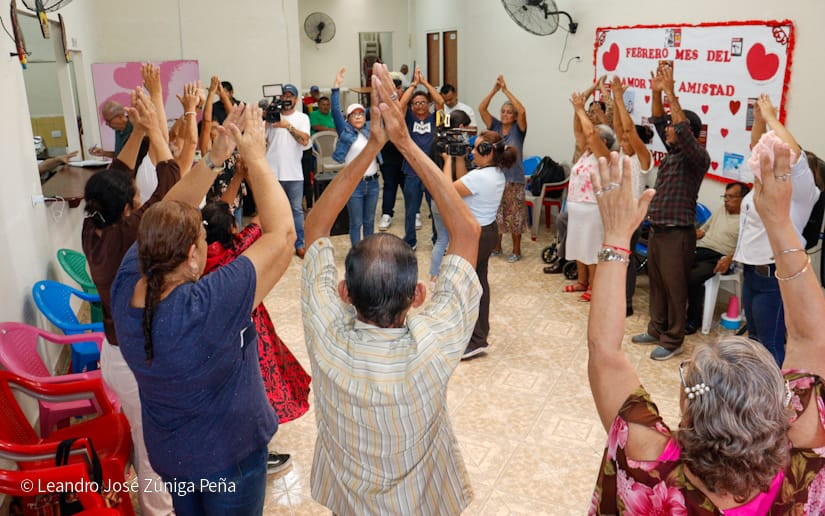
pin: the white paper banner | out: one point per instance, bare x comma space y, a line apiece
718, 69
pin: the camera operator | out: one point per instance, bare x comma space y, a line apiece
450, 140
287, 136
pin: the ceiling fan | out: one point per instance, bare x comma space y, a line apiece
319, 27
539, 17
41, 7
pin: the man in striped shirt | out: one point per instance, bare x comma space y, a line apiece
385, 444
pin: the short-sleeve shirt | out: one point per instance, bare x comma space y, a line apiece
581, 188
627, 486
486, 185
422, 133
203, 401
318, 118
721, 231
283, 152
514, 138
380, 395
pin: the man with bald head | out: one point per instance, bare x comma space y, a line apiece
379, 372
114, 115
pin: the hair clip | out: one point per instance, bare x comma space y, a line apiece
695, 390
788, 393
205, 223
95, 214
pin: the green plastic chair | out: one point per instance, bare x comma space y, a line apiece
74, 264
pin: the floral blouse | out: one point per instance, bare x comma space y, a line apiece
580, 188
626, 486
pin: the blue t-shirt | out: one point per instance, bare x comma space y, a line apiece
515, 138
422, 133
203, 401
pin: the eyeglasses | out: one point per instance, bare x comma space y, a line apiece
109, 120
357, 114
730, 197
420, 103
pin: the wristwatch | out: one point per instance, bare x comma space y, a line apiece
213, 167
609, 254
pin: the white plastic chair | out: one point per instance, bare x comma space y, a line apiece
323, 145
712, 291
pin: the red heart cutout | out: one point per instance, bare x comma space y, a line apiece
610, 59
705, 108
724, 132
714, 165
647, 99
734, 106
761, 66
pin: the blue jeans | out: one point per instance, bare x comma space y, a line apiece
764, 311
361, 207
295, 192
440, 245
239, 489
413, 193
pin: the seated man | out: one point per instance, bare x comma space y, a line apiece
716, 241
385, 444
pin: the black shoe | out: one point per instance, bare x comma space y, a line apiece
691, 328
628, 311
473, 351
556, 267
277, 462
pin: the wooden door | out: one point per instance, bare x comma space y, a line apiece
450, 42
434, 58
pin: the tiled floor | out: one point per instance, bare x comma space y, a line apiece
523, 413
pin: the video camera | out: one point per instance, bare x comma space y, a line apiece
451, 139
272, 114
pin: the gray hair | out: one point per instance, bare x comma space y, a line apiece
111, 109
734, 437
608, 136
512, 106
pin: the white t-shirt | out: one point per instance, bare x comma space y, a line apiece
355, 149
463, 107
283, 152
637, 173
486, 185
146, 178
753, 247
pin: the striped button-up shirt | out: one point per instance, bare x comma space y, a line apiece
385, 444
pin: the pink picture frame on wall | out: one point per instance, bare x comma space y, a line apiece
115, 81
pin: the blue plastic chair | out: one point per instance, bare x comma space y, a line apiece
702, 213
53, 299
530, 165
702, 216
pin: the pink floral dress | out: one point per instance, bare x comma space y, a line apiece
660, 487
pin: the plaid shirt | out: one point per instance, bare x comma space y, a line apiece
680, 176
385, 444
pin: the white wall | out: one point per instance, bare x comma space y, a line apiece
320, 63
490, 43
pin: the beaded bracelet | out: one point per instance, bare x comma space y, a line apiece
788, 251
794, 276
189, 113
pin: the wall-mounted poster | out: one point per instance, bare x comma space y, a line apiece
719, 70
115, 81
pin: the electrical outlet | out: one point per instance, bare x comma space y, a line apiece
57, 134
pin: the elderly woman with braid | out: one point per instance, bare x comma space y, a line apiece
190, 341
751, 438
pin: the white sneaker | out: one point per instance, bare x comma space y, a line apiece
417, 221
385, 222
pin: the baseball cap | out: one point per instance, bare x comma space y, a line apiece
314, 88
355, 107
290, 88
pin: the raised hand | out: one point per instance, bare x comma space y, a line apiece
339, 79
191, 96
142, 111
417, 77
621, 212
391, 115
501, 83
151, 78
249, 135
772, 192
657, 81
766, 109
616, 86
214, 86
577, 99
224, 144
377, 132
667, 81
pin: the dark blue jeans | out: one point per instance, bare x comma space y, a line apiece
361, 207
413, 193
393, 180
764, 311
237, 490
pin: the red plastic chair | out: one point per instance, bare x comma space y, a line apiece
18, 354
543, 200
108, 432
12, 483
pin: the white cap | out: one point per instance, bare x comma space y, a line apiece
355, 107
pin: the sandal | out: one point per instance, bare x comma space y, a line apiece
576, 287
586, 295
496, 253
